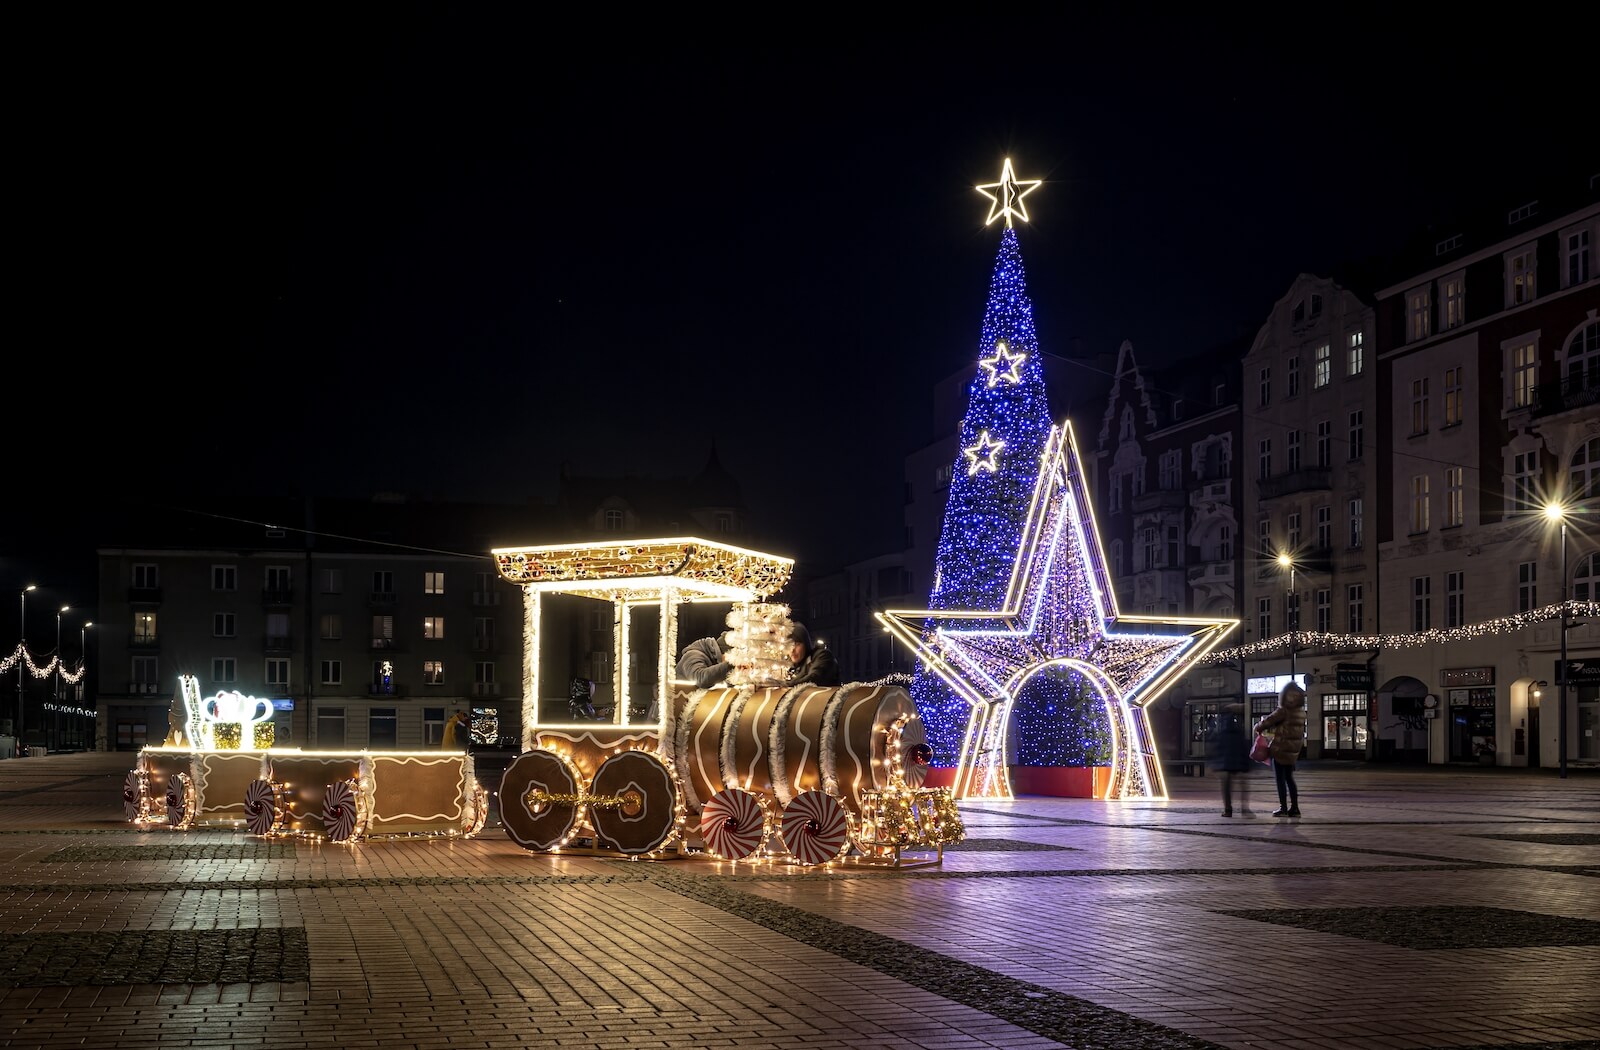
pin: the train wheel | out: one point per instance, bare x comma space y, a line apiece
180, 801
261, 807
814, 827
537, 801
134, 787
341, 811
644, 815
733, 824
915, 764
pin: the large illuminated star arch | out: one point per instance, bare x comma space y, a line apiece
1060, 612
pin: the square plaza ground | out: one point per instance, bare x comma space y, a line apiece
1425, 907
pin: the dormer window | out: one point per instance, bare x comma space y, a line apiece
1419, 314
613, 520
1316, 306
1300, 311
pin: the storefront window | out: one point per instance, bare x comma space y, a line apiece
1344, 725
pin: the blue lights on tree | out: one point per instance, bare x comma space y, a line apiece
989, 489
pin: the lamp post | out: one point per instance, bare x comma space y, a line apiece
55, 716
20, 661
83, 655
1556, 512
1293, 609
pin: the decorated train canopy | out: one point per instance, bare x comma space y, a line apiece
641, 570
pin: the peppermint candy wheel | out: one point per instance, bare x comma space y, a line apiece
915, 764
732, 824
133, 788
260, 807
814, 827
180, 811
339, 810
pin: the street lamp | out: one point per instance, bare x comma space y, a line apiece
21, 661
1558, 513
55, 720
83, 656
1287, 562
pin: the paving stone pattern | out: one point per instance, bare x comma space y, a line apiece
209, 851
1437, 927
1551, 838
976, 845
38, 960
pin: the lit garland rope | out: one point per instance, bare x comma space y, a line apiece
1302, 640
21, 653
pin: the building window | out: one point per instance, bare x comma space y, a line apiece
613, 520
1266, 386
1357, 435
1520, 272
1586, 579
483, 673
1138, 479
1455, 301
1356, 605
332, 672
1324, 366
330, 728
277, 579
1294, 450
1454, 498
433, 583
1452, 396
383, 632
224, 578
222, 669
1115, 501
1419, 406
1224, 543
433, 627
724, 522
1418, 311
1421, 603
1576, 246
144, 630
1118, 559
1294, 376
1293, 523
1264, 458
1171, 470
1324, 610
1264, 537
1455, 599
332, 581
1419, 503
278, 672
432, 726
1527, 586
1325, 443
1147, 550
1524, 374
1584, 480
1525, 482
383, 728
1355, 524
1324, 527
383, 582
1174, 550
433, 672
483, 633
332, 627
146, 577
1263, 617
1355, 354
222, 625
1583, 360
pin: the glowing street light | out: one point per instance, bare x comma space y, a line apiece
23, 634
1285, 561
1556, 512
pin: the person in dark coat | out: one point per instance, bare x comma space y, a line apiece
811, 662
705, 662
1287, 724
1230, 756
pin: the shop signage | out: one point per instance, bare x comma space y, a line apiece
1272, 685
1580, 672
1472, 697
1457, 677
282, 705
1354, 676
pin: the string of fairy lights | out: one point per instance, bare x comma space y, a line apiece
39, 670
1301, 641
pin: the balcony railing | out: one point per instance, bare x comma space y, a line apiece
144, 643
386, 645
481, 598
1575, 391
1306, 479
485, 688
277, 596
278, 642
483, 645
141, 688
144, 595
381, 598
394, 689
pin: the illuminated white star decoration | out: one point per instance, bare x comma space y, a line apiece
985, 455
1006, 196
1003, 366
1059, 613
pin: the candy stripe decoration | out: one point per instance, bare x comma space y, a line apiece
814, 827
260, 807
476, 811
133, 788
339, 811
732, 824
178, 794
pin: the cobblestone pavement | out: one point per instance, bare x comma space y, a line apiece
1408, 908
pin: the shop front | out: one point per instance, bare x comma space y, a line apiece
1344, 725
1472, 724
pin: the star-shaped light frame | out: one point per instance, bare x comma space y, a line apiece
1059, 613
985, 455
1003, 366
1006, 196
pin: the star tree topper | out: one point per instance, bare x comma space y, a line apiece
1006, 196
1059, 613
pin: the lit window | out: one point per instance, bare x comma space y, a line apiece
1455, 302
433, 672
433, 583
433, 627
1356, 357
1524, 374
1293, 522
1324, 371
1520, 272
1452, 396
1583, 482
1418, 315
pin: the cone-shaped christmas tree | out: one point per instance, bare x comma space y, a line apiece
1002, 441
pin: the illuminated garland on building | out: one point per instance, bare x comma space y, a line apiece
21, 653
983, 516
1304, 640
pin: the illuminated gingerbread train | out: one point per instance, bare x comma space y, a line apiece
203, 775
800, 772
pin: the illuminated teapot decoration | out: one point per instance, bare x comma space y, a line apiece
220, 722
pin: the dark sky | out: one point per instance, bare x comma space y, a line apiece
447, 251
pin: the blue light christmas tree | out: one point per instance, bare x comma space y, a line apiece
1002, 441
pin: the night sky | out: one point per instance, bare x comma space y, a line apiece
446, 252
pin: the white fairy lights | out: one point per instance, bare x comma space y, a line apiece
985, 455
1005, 196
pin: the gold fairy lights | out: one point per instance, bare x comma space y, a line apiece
1005, 196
